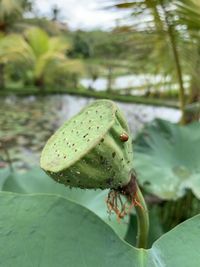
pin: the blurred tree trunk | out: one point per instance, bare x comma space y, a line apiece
194, 97
195, 86
109, 78
172, 39
39, 82
75, 80
2, 82
194, 92
2, 27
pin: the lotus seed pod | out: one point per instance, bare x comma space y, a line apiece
88, 151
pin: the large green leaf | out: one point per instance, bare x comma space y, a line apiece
48, 230
4, 174
167, 158
36, 181
38, 40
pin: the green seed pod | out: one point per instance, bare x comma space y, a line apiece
88, 150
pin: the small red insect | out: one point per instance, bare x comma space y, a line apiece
124, 137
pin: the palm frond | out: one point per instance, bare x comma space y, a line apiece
14, 48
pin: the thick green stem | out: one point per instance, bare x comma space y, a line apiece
142, 220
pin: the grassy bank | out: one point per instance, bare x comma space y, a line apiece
90, 93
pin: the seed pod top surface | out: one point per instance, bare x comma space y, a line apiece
87, 150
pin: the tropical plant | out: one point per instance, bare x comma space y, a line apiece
173, 27
45, 56
12, 11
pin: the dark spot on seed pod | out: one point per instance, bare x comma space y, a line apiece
88, 140
77, 132
124, 137
100, 117
128, 161
97, 127
64, 157
85, 135
102, 140
90, 121
73, 144
89, 128
113, 154
75, 150
122, 159
58, 155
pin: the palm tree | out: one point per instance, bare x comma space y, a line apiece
45, 56
173, 30
11, 11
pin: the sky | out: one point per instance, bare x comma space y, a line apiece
82, 14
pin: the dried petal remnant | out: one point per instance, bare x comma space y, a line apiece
115, 203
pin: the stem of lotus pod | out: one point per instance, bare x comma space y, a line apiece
133, 194
142, 220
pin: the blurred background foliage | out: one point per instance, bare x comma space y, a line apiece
161, 39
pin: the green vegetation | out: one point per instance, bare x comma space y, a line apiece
68, 208
121, 195
172, 26
40, 59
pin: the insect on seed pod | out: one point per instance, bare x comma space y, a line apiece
124, 137
87, 152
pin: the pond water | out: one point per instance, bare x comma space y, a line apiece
135, 82
122, 82
27, 122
